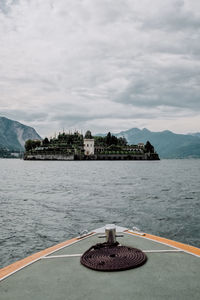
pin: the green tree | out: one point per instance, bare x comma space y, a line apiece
122, 141
114, 140
108, 139
149, 147
45, 141
32, 144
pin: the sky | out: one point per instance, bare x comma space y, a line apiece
103, 65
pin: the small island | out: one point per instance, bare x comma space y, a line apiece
75, 146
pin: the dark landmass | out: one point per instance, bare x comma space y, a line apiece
77, 147
13, 136
168, 144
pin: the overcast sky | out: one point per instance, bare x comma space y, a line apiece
101, 64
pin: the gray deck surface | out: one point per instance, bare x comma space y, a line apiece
174, 275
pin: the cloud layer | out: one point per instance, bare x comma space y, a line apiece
100, 64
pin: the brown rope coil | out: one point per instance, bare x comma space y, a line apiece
107, 257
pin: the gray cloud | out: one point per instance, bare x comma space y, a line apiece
5, 5
24, 115
100, 63
175, 87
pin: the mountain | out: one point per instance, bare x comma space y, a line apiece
14, 134
166, 143
195, 134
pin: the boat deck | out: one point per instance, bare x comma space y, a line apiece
169, 273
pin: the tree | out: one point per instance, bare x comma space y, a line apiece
32, 144
108, 139
122, 141
149, 147
114, 140
45, 141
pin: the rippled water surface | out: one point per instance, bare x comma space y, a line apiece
43, 203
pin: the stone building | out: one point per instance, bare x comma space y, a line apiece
88, 147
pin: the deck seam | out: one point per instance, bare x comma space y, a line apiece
160, 242
78, 240
80, 254
39, 258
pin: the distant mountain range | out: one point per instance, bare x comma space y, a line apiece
14, 134
195, 134
166, 143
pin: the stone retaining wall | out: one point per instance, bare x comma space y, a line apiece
48, 157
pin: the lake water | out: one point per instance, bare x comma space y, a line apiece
43, 203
